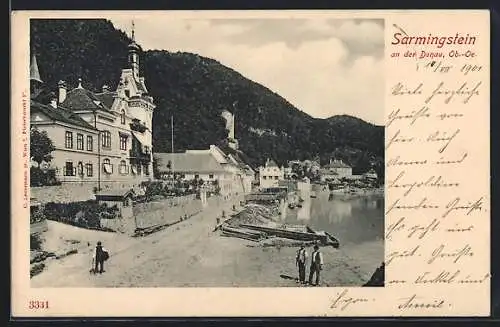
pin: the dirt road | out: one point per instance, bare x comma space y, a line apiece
190, 254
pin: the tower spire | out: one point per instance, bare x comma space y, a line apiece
34, 72
133, 30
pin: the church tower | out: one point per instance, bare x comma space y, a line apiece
133, 55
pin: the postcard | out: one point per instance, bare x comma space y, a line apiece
250, 163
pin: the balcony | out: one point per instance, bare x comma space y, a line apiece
137, 126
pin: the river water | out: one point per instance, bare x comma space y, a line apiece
352, 219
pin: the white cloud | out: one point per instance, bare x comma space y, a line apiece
331, 68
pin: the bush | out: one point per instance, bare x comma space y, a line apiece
85, 214
36, 216
35, 242
38, 177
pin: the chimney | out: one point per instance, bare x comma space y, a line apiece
62, 91
53, 100
105, 88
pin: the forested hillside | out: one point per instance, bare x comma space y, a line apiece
195, 90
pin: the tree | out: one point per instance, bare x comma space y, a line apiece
41, 146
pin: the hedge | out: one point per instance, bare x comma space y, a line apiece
39, 177
85, 214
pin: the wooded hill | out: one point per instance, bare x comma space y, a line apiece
195, 90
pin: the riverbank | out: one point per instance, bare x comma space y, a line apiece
191, 254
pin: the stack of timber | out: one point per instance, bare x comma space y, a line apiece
243, 233
309, 235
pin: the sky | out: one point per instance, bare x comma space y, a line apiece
323, 67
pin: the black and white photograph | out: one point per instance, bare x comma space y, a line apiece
206, 152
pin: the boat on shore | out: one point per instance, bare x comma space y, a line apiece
302, 233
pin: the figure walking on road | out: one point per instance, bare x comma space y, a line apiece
316, 266
100, 257
301, 263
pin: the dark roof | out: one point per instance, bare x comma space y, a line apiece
60, 114
188, 162
83, 99
107, 98
238, 155
114, 193
271, 163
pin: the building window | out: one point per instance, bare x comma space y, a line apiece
196, 176
123, 142
79, 141
106, 139
107, 167
122, 117
146, 149
69, 140
90, 143
139, 169
90, 170
264, 177
123, 167
80, 168
69, 170
276, 177
211, 176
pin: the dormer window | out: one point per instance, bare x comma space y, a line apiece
122, 117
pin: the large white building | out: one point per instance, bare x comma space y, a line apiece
335, 170
270, 174
101, 139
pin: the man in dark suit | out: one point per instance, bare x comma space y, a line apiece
100, 257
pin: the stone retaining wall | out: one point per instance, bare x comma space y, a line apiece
166, 211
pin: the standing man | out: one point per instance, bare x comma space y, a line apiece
301, 263
316, 265
99, 258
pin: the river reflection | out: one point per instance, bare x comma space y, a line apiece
350, 218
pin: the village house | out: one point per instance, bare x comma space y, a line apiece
102, 139
371, 174
335, 170
270, 174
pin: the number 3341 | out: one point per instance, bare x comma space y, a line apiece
38, 304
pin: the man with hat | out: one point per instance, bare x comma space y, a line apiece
100, 257
300, 260
316, 265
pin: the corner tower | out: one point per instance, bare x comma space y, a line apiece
133, 55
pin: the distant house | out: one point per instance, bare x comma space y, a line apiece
371, 174
288, 172
270, 174
336, 169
